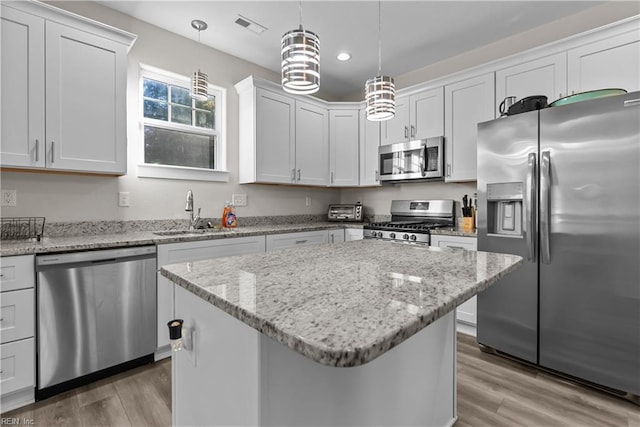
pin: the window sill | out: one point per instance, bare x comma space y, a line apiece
178, 172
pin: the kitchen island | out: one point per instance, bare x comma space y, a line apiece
358, 333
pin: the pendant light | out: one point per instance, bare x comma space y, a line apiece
199, 80
380, 91
300, 51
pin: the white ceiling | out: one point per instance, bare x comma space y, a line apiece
414, 33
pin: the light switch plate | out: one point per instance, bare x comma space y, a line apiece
123, 198
239, 199
8, 197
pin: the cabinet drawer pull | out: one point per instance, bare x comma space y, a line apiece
301, 241
631, 102
455, 247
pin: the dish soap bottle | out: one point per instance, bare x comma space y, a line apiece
229, 216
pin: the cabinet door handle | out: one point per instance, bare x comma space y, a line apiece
448, 169
301, 241
406, 132
377, 176
37, 150
52, 153
333, 240
413, 131
298, 174
293, 175
332, 177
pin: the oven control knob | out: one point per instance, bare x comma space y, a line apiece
392, 235
405, 237
379, 234
413, 237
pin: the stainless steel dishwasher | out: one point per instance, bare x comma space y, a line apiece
96, 315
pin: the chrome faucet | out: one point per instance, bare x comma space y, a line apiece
189, 208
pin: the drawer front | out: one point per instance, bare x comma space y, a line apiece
468, 243
193, 251
17, 315
293, 240
17, 365
17, 272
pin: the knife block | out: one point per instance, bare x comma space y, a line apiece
469, 223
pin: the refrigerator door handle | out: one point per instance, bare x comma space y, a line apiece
530, 197
545, 211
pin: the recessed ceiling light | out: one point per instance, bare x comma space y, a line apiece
344, 56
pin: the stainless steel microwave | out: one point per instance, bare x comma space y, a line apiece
420, 159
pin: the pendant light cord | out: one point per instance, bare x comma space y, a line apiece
300, 9
379, 42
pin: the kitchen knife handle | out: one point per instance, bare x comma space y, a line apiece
530, 211
545, 201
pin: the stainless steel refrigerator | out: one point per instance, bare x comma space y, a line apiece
561, 188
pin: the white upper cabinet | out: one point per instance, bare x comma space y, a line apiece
312, 144
344, 139
545, 76
64, 91
369, 144
283, 140
22, 75
274, 140
418, 116
467, 103
86, 80
613, 62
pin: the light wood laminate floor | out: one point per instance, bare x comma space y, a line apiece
492, 391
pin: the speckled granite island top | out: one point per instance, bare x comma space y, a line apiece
343, 304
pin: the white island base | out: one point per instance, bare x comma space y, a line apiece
234, 375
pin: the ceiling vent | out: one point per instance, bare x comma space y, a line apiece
250, 25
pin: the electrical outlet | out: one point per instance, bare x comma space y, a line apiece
123, 198
307, 201
8, 197
239, 199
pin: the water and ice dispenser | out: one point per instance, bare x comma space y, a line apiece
504, 208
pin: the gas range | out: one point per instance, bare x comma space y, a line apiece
411, 221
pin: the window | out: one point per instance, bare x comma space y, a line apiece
182, 138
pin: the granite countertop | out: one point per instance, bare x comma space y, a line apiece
141, 238
343, 304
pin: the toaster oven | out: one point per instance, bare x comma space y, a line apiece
346, 212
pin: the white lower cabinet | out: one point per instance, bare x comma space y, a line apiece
17, 332
353, 234
296, 240
188, 252
466, 313
336, 236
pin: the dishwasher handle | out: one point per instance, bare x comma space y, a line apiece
110, 255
